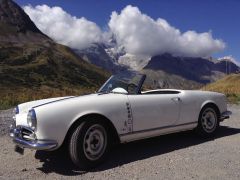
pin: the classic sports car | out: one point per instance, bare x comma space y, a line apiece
118, 112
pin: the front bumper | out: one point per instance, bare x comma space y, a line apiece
225, 115
25, 138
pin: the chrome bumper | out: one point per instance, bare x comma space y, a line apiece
25, 138
225, 115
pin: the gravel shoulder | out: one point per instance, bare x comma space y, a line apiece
176, 156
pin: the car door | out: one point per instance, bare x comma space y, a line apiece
150, 111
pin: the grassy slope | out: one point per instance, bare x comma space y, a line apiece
229, 85
35, 71
32, 66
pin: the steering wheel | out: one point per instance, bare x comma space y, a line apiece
131, 88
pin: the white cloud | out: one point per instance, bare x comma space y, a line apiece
137, 33
69, 30
142, 35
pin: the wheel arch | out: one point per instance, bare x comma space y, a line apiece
211, 104
99, 117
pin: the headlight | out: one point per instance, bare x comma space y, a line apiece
32, 119
16, 110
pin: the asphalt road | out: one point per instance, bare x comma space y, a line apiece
176, 156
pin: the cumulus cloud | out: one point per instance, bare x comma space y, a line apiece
137, 33
69, 30
142, 35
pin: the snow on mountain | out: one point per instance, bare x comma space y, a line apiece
103, 56
134, 62
231, 59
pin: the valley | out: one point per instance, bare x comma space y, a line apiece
33, 66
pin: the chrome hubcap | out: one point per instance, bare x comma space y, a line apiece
209, 120
95, 141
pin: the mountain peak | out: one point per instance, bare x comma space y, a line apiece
14, 20
230, 58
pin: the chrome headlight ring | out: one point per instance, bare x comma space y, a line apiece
32, 119
16, 110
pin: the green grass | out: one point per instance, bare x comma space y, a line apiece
32, 67
37, 71
13, 97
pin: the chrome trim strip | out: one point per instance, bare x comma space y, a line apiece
159, 128
156, 132
53, 101
37, 145
99, 90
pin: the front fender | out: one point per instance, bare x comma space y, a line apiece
207, 102
219, 100
55, 119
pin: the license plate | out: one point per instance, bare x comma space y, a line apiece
19, 150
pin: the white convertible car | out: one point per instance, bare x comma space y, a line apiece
118, 112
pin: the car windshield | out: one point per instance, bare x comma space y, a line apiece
127, 83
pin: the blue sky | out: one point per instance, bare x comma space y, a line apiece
219, 16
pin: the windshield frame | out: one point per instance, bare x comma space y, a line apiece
138, 88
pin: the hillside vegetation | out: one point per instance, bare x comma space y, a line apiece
30, 72
229, 85
33, 66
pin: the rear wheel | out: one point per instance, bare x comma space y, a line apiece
208, 121
89, 144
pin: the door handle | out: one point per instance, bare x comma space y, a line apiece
176, 99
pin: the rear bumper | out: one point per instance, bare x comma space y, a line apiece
225, 115
25, 137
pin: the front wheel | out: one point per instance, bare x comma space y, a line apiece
88, 144
208, 122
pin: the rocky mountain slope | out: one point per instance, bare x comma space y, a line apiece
163, 71
32, 62
97, 54
16, 26
195, 69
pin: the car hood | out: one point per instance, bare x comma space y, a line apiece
25, 107
21, 117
